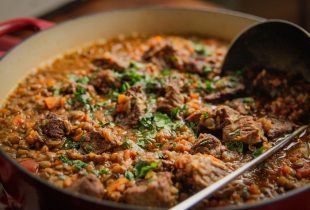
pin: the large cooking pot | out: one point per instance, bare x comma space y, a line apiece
28, 191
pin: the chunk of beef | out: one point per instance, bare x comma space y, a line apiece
269, 83
224, 87
173, 99
245, 130
101, 141
156, 192
274, 127
219, 117
88, 185
168, 56
208, 144
109, 62
132, 108
198, 171
53, 127
243, 105
105, 81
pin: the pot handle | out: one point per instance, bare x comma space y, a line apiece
7, 42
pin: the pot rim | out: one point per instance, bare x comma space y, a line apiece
113, 204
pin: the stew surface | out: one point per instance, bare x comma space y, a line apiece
150, 120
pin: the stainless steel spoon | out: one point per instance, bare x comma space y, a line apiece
276, 45
273, 44
207, 192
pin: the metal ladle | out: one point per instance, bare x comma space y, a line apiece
273, 44
277, 45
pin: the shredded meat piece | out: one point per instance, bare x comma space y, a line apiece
224, 87
245, 130
269, 83
274, 127
53, 126
101, 141
109, 62
88, 185
208, 144
130, 111
199, 171
173, 99
244, 106
156, 192
219, 117
303, 172
105, 81
168, 56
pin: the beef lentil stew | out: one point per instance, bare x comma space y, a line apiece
150, 120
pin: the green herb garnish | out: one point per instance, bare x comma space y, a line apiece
209, 86
201, 49
129, 175
235, 132
258, 152
235, 146
142, 167
76, 163
126, 145
125, 86
207, 69
69, 144
103, 171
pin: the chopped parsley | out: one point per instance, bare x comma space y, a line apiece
209, 86
129, 175
126, 145
56, 91
206, 115
165, 72
235, 146
176, 111
103, 171
142, 168
207, 69
125, 86
258, 152
247, 100
69, 144
236, 132
78, 164
135, 65
101, 124
201, 49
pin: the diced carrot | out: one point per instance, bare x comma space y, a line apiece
116, 185
121, 98
303, 172
30, 124
285, 170
194, 105
57, 162
127, 154
194, 96
50, 82
157, 39
254, 189
30, 164
18, 120
3, 110
52, 102
63, 101
67, 182
78, 136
